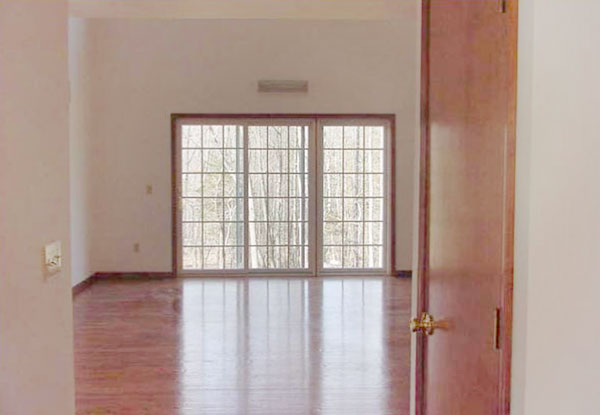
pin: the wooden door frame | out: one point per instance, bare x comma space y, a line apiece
387, 117
422, 296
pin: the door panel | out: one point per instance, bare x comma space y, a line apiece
469, 192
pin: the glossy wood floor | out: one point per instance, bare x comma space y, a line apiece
243, 346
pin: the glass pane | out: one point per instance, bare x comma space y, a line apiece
298, 137
213, 234
257, 209
191, 136
332, 185
278, 185
353, 233
373, 257
374, 161
234, 234
257, 161
353, 208
374, 209
374, 185
278, 257
306, 251
257, 233
353, 185
332, 257
257, 137
298, 233
333, 137
212, 136
233, 136
212, 185
296, 257
277, 234
278, 137
353, 137
213, 210
212, 160
332, 233
191, 185
278, 161
298, 209
233, 160
298, 161
234, 209
233, 185
191, 233
374, 137
191, 161
333, 209
298, 186
213, 257
332, 161
278, 209
374, 233
257, 185
353, 257
233, 258
192, 209
192, 258
258, 257
353, 161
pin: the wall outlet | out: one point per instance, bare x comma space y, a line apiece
52, 258
136, 247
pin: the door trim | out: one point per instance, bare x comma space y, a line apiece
389, 118
509, 210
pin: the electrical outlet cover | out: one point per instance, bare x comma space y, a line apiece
53, 258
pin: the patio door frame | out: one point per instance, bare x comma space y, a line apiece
316, 123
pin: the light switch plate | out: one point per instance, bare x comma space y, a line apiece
53, 258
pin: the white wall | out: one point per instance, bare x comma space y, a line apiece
36, 339
242, 9
557, 276
80, 141
144, 70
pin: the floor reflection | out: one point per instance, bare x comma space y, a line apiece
244, 346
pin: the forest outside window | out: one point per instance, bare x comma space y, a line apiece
282, 195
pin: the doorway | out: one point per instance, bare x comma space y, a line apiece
283, 195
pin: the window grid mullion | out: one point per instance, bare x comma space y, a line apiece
267, 201
364, 192
223, 195
246, 213
287, 179
285, 176
343, 194
202, 194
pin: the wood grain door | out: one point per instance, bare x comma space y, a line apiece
467, 205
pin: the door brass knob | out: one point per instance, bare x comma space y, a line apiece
426, 324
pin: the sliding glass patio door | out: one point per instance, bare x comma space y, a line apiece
281, 195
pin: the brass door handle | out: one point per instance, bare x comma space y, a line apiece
426, 324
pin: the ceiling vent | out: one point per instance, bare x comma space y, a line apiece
282, 86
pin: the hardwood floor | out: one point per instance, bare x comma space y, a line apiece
243, 346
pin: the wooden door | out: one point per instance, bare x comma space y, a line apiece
467, 201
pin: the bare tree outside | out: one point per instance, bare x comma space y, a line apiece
259, 184
353, 197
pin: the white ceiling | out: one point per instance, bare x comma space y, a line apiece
246, 9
